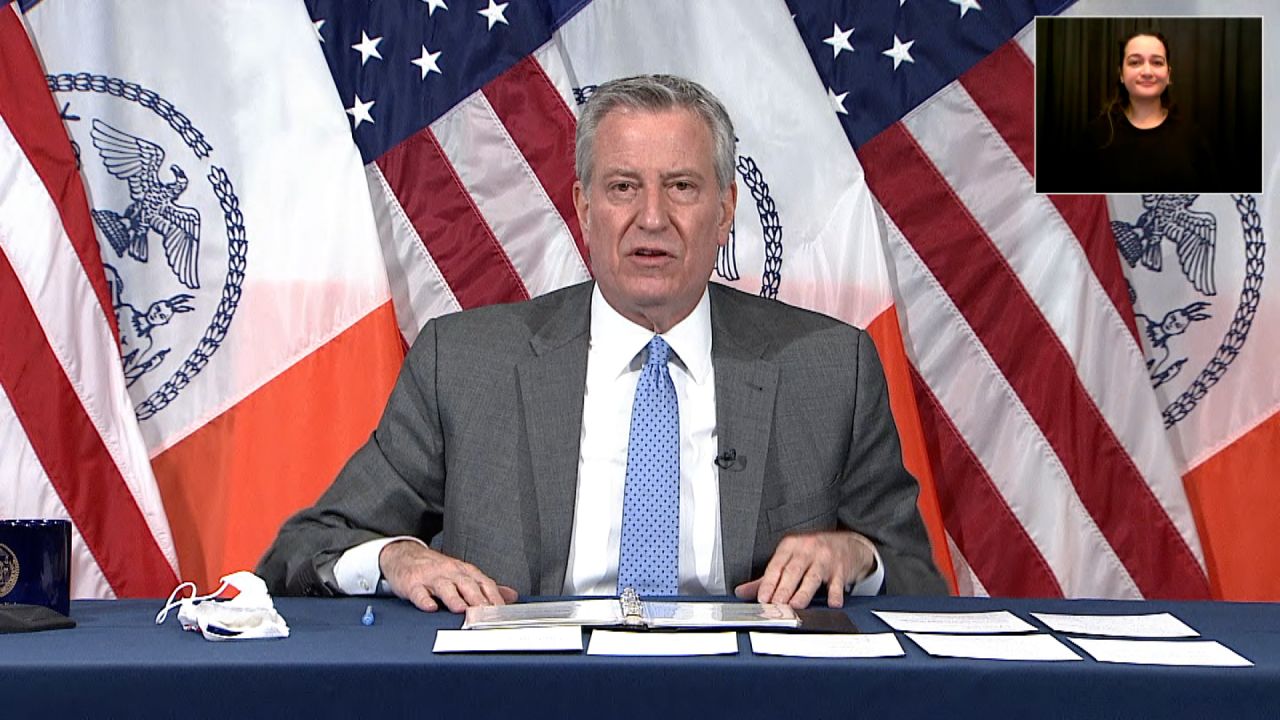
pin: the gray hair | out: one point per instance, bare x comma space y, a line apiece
655, 93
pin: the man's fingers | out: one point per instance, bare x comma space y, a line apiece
804, 562
428, 579
509, 594
470, 590
748, 590
448, 594
789, 582
492, 595
767, 589
808, 588
421, 598
835, 590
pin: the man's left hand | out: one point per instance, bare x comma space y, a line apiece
804, 562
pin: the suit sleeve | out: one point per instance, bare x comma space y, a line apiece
393, 485
879, 496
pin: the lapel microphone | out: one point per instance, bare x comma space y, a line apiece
728, 460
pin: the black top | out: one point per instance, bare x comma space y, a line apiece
1116, 157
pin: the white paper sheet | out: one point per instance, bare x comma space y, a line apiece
1210, 653
621, 642
994, 647
998, 621
827, 645
536, 639
1158, 625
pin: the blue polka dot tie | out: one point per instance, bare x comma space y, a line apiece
648, 558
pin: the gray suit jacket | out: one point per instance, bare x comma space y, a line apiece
480, 439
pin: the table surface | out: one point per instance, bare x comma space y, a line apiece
117, 663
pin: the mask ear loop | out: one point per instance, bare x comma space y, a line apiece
172, 602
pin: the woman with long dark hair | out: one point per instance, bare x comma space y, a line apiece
1140, 142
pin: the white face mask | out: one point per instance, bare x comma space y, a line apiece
251, 614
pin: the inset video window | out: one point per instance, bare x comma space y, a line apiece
1148, 105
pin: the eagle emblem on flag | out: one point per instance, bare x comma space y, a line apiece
154, 208
1194, 234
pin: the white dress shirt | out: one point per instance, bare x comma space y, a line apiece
614, 360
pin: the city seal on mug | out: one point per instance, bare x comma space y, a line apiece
10, 569
35, 563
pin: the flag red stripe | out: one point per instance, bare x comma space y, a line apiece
979, 521
74, 456
450, 225
1002, 86
28, 109
987, 292
535, 116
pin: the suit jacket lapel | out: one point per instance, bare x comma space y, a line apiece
551, 385
746, 385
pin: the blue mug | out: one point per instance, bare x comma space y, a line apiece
35, 563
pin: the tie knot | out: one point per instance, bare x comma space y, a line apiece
659, 351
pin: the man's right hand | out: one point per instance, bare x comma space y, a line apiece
427, 578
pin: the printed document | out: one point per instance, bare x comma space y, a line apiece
1203, 653
825, 645
994, 647
1157, 625
999, 621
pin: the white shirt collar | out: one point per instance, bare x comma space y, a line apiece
617, 341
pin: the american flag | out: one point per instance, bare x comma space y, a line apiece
1042, 436
69, 443
1052, 476
436, 96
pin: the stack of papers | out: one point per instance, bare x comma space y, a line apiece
1003, 636
998, 635
1151, 647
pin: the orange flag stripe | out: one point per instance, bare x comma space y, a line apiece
1236, 506
228, 486
887, 335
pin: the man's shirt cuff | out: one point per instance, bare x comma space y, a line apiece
871, 584
357, 572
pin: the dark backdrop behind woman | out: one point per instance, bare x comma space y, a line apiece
1216, 68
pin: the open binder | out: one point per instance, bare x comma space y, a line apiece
631, 612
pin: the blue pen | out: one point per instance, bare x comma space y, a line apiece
367, 618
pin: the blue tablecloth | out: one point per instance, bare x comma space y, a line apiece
117, 663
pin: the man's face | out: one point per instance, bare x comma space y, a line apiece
1145, 67
654, 215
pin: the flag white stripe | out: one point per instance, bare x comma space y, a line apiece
1057, 275
551, 58
967, 582
1002, 435
75, 327
509, 196
1026, 39
419, 291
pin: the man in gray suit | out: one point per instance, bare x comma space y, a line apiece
506, 436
